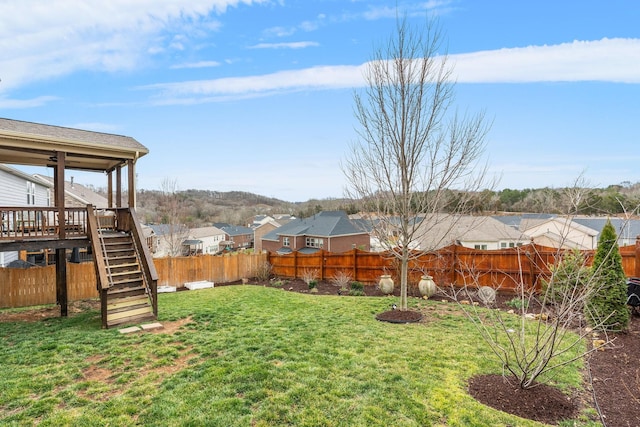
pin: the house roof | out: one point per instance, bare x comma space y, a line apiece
442, 230
79, 192
627, 229
21, 175
516, 221
322, 224
235, 230
165, 229
36, 144
201, 232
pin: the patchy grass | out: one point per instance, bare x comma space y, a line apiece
251, 356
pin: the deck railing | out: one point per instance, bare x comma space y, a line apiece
26, 223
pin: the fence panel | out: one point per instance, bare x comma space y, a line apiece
37, 285
457, 265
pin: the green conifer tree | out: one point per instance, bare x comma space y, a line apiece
607, 306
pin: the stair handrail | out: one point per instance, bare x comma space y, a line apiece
149, 273
97, 245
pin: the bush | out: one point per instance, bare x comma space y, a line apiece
567, 277
309, 275
357, 289
518, 303
313, 284
607, 308
341, 279
263, 272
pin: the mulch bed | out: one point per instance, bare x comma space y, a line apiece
612, 380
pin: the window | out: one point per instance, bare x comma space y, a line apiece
31, 193
312, 242
481, 247
285, 241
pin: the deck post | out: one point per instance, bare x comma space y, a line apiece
61, 281
61, 253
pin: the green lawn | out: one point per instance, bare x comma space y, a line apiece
251, 356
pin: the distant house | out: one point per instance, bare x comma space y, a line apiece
475, 232
236, 236
169, 238
209, 238
328, 230
561, 232
76, 195
626, 229
264, 224
19, 189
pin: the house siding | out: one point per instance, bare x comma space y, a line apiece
13, 192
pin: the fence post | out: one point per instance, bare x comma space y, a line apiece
636, 267
454, 264
355, 264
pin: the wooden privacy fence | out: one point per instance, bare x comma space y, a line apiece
457, 265
504, 269
37, 285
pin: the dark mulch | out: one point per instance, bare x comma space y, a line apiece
400, 316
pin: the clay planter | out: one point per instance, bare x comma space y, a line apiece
427, 286
386, 284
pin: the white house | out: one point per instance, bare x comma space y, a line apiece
475, 232
19, 189
561, 232
210, 238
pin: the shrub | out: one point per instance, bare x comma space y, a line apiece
567, 277
263, 271
278, 283
309, 275
312, 284
518, 303
607, 309
357, 289
341, 279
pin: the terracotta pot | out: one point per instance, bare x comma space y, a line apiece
386, 284
427, 286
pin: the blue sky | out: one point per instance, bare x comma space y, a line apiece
257, 96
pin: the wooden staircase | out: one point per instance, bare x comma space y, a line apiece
127, 298
127, 280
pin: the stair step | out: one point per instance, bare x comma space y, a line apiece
129, 313
124, 273
115, 303
133, 319
114, 290
123, 265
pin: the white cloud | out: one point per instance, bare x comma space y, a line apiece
41, 40
290, 45
200, 64
611, 60
25, 103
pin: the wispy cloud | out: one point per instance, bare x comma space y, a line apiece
290, 45
40, 41
612, 60
609, 60
199, 64
26, 103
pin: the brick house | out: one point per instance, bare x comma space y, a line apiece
332, 231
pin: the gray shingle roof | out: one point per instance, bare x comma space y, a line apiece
71, 134
323, 224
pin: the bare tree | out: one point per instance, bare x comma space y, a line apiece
414, 158
548, 327
172, 212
